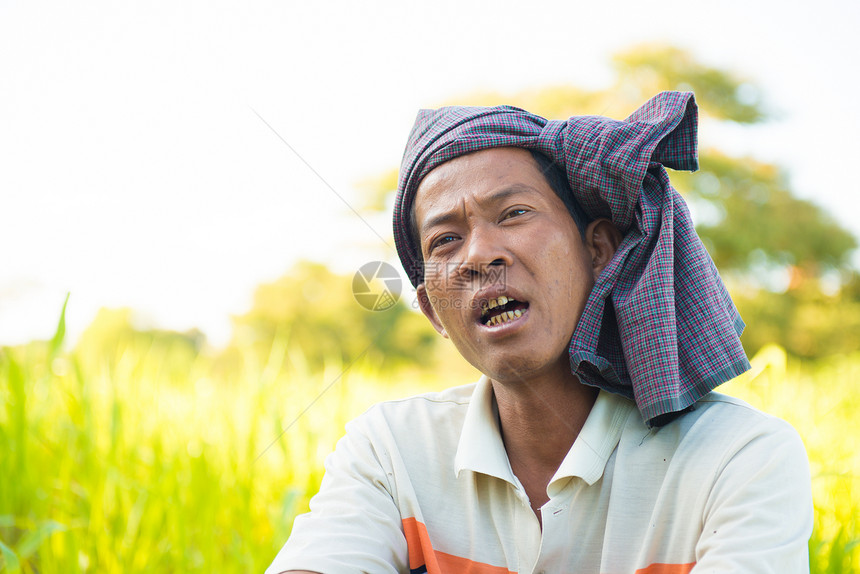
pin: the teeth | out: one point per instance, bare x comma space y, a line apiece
496, 302
504, 317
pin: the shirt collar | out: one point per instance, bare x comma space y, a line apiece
597, 439
481, 448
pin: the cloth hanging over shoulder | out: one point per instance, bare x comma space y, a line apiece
659, 326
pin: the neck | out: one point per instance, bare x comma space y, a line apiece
540, 420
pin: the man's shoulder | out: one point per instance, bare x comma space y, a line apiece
717, 427
453, 398
723, 424
460, 395
423, 411
724, 411
717, 438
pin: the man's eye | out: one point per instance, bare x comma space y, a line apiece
444, 240
514, 213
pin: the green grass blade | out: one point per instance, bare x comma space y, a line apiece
11, 563
60, 334
33, 540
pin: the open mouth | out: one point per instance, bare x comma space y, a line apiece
501, 310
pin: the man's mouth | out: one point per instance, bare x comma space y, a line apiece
500, 310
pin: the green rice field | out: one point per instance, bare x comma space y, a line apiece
148, 459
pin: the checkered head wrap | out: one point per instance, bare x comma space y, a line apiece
659, 326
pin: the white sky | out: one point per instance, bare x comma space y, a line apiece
135, 172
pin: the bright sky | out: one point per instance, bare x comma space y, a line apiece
134, 170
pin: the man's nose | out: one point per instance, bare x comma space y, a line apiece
486, 252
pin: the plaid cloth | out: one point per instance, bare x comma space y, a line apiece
659, 326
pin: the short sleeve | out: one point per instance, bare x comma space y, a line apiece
759, 514
354, 524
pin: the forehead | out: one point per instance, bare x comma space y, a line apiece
481, 175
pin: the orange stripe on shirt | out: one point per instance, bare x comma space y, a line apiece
420, 549
658, 568
421, 553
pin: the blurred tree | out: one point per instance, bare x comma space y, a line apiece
805, 320
647, 69
764, 239
314, 309
750, 221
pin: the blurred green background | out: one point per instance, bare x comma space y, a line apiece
133, 448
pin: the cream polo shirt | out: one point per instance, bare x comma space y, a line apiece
424, 485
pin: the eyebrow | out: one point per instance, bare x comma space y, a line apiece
495, 197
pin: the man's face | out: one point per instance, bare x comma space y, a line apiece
490, 227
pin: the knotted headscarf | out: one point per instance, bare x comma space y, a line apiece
659, 326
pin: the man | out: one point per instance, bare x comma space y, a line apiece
560, 262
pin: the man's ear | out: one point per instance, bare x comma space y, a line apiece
429, 312
602, 239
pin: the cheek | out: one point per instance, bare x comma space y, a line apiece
565, 260
444, 301
569, 274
